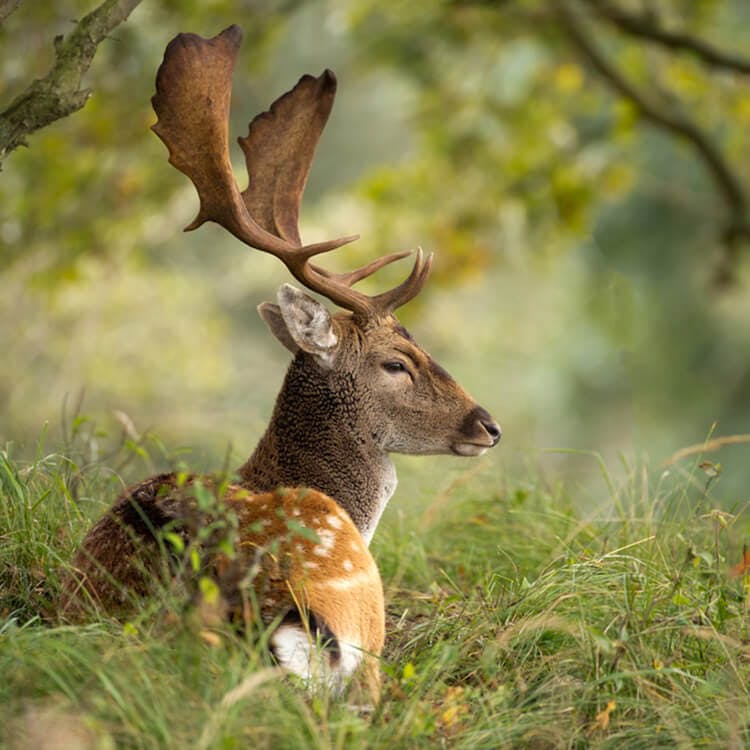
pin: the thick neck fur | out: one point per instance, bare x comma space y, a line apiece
319, 437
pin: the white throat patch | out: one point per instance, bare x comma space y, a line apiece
388, 484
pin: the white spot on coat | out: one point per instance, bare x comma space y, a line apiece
334, 522
328, 537
345, 583
327, 540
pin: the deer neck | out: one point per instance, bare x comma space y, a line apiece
319, 437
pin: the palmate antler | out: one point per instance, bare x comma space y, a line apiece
193, 90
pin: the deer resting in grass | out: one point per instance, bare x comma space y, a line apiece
358, 389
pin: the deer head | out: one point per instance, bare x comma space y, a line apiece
357, 376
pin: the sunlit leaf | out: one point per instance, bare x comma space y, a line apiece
209, 590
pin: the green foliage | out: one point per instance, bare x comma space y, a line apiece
60, 92
91, 182
40, 517
526, 156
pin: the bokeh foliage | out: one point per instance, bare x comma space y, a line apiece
578, 243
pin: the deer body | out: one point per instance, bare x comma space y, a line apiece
298, 557
358, 389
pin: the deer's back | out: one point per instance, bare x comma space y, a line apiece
293, 549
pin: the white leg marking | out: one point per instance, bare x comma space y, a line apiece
351, 658
293, 649
297, 655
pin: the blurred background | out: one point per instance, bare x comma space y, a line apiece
580, 170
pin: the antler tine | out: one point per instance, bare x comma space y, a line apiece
383, 304
352, 277
389, 301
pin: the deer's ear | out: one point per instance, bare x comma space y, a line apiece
300, 322
271, 315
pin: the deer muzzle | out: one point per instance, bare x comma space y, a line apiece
478, 433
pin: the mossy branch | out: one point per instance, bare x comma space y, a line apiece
736, 229
7, 7
60, 93
646, 26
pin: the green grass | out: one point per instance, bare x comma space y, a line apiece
514, 620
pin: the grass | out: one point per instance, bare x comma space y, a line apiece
514, 620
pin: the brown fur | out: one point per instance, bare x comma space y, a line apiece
332, 429
334, 577
325, 571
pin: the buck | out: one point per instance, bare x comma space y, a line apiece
358, 389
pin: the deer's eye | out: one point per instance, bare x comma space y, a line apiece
395, 366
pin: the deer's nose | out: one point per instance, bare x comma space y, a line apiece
492, 428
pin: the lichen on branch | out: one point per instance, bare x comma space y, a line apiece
7, 7
60, 92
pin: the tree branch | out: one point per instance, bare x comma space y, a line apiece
644, 25
7, 7
737, 226
59, 93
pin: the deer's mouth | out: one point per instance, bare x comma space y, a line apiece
469, 449
479, 432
